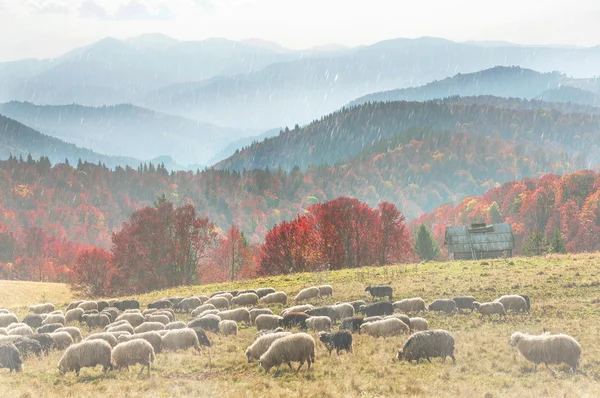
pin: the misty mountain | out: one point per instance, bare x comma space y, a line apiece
570, 94
240, 144
125, 130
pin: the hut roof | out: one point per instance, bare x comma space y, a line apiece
479, 238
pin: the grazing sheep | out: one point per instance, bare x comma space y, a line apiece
265, 332
133, 311
86, 354
403, 317
180, 339
119, 334
208, 312
262, 344
226, 295
527, 300
228, 327
110, 338
149, 327
263, 291
292, 319
42, 308
62, 340
15, 325
33, 320
73, 304
443, 305
385, 328
56, 312
74, 315
208, 322
175, 325
254, 313
428, 344
380, 291
202, 337
153, 338
245, 299
464, 302
149, 311
160, 304
49, 328
325, 291
418, 324
189, 304
124, 305
274, 298
91, 312
218, 302
3, 332
340, 341
21, 331
203, 299
88, 306
135, 319
217, 293
267, 321
370, 319
4, 311
46, 342
307, 294
55, 318
200, 309
237, 315
549, 349
356, 305
102, 304
327, 311
94, 321
513, 302
10, 358
111, 312
378, 309
415, 304
319, 323
158, 318
297, 308
123, 327
27, 346
73, 331
299, 347
133, 352
117, 323
344, 310
351, 324
489, 309
7, 319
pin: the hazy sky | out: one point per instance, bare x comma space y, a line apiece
45, 28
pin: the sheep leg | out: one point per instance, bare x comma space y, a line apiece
453, 359
142, 369
428, 359
299, 367
290, 365
552, 372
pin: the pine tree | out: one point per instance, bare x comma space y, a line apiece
535, 244
495, 215
557, 244
425, 246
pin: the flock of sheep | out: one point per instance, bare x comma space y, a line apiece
124, 335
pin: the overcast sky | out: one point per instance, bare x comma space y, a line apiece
46, 28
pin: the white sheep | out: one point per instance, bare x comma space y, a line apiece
219, 302
307, 294
166, 312
245, 299
4, 311
73, 331
117, 323
371, 319
208, 312
86, 354
3, 332
154, 338
228, 328
267, 321
7, 319
548, 349
62, 340
180, 339
23, 330
418, 324
73, 304
16, 325
325, 291
259, 311
149, 327
88, 305
123, 327
134, 318
489, 309
133, 352
344, 310
188, 304
262, 344
385, 328
237, 315
513, 302
175, 325
415, 304
298, 308
228, 296
299, 347
54, 318
203, 299
108, 337
204, 307
319, 323
158, 318
74, 315
274, 298
42, 308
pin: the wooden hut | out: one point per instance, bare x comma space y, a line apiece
479, 241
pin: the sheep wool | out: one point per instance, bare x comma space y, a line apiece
153, 338
319, 323
73, 331
267, 321
325, 291
62, 340
54, 318
135, 319
245, 299
418, 324
73, 315
307, 294
108, 337
263, 291
228, 328
7, 319
298, 308
133, 352
254, 313
428, 344
188, 304
344, 310
237, 315
33, 320
88, 305
123, 327
200, 309
158, 318
42, 308
49, 328
23, 330
513, 302
299, 347
72, 305
262, 344
149, 327
385, 328
489, 309
415, 304
87, 354
175, 325
218, 302
443, 305
10, 358
180, 339
549, 349
274, 298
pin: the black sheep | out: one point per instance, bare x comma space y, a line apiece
46, 342
380, 291
50, 328
464, 302
340, 341
10, 358
294, 319
33, 320
27, 347
207, 323
202, 337
130, 304
527, 301
102, 305
351, 324
378, 309
160, 304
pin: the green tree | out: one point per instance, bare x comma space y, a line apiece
495, 215
425, 246
557, 244
535, 245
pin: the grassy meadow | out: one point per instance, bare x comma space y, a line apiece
565, 294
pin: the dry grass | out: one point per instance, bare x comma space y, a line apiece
18, 294
565, 293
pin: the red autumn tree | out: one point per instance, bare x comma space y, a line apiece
393, 237
93, 272
232, 258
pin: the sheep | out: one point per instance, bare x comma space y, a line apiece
228, 327
340, 341
27, 346
55, 318
158, 318
379, 308
208, 322
415, 304
56, 312
428, 344
254, 313
203, 299
10, 358
443, 305
527, 300
175, 300
245, 299
134, 319
94, 321
307, 294
262, 344
111, 313
513, 302
3, 332
489, 309
73, 304
380, 291
132, 311
129, 304
123, 327
42, 308
91, 312
297, 308
384, 328
45, 340
404, 318
267, 321
299, 347
149, 311
269, 331
4, 311
200, 309
464, 302
73, 315
180, 339
88, 306
356, 305
325, 291
208, 312
108, 337
153, 338
21, 331
237, 315
225, 295
133, 352
149, 327
7, 319
73, 331
351, 324
119, 334
274, 298
160, 304
319, 323
344, 310
418, 324
188, 304
549, 349
33, 320
325, 311
202, 337
370, 319
117, 323
62, 340
294, 319
86, 354
49, 328
218, 302
263, 291
15, 325
175, 325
